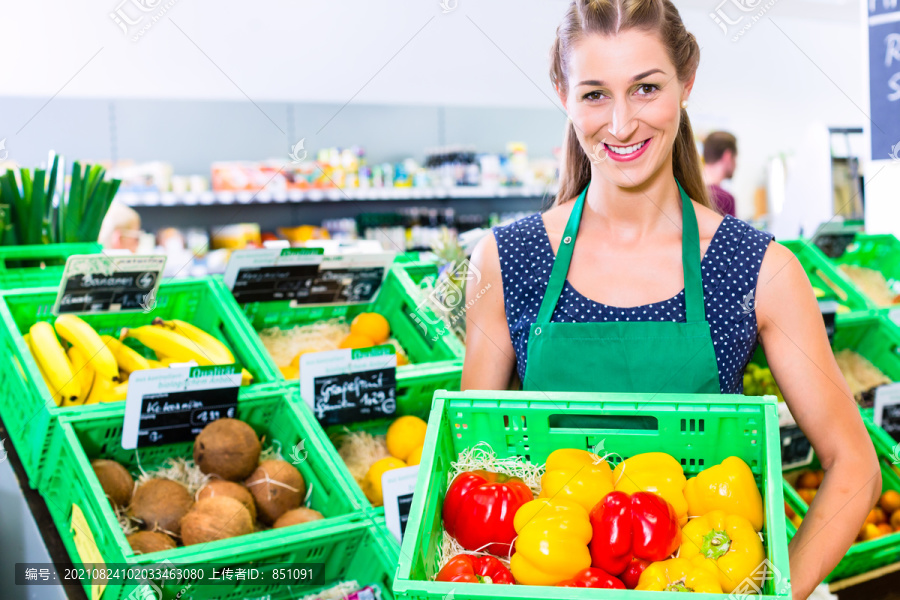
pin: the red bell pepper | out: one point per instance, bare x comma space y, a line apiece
593, 578
469, 568
632, 573
641, 525
479, 508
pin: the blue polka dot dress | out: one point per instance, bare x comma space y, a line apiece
729, 271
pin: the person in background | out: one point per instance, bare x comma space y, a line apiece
719, 158
121, 228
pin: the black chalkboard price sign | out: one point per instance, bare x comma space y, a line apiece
796, 451
98, 283
887, 409
355, 396
346, 386
171, 405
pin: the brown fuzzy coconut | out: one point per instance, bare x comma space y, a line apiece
227, 448
220, 487
277, 486
215, 518
160, 504
115, 480
298, 516
146, 542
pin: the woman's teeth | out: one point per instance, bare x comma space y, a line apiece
626, 149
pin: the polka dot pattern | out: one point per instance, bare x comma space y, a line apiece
729, 271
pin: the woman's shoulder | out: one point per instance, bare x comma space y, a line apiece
519, 230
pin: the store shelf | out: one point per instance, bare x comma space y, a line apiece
332, 195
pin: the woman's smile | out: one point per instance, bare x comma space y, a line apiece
626, 153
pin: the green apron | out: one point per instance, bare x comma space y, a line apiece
624, 356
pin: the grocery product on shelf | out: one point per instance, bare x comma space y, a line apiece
872, 283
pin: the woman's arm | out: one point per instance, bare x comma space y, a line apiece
793, 336
490, 357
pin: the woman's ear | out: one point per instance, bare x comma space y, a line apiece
688, 86
563, 96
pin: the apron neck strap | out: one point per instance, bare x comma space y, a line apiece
690, 248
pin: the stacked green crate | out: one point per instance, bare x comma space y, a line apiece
877, 252
866, 555
698, 430
26, 405
827, 282
435, 358
342, 546
42, 265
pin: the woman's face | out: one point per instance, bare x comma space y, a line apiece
624, 99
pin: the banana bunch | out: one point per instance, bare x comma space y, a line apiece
177, 341
84, 371
79, 366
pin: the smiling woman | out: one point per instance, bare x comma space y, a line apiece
632, 283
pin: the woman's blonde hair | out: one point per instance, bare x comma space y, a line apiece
608, 17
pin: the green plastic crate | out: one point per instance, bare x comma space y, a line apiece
699, 430
823, 276
39, 265
70, 480
879, 252
25, 402
875, 337
872, 554
436, 359
375, 427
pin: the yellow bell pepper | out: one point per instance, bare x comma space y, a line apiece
576, 475
679, 575
727, 543
655, 472
552, 542
728, 486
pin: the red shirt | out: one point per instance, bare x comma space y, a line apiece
722, 199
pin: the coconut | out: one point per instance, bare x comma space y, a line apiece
277, 486
228, 448
160, 504
298, 516
145, 542
215, 518
220, 487
115, 480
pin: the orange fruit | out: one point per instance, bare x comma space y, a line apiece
806, 494
885, 528
809, 480
372, 482
402, 359
789, 511
869, 531
405, 435
890, 501
371, 325
876, 516
416, 456
895, 520
354, 341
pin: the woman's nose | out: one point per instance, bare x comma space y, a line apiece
622, 123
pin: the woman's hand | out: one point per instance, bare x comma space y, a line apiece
793, 336
490, 357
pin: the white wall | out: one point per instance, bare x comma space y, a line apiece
798, 64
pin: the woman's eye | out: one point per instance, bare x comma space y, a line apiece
647, 88
593, 96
